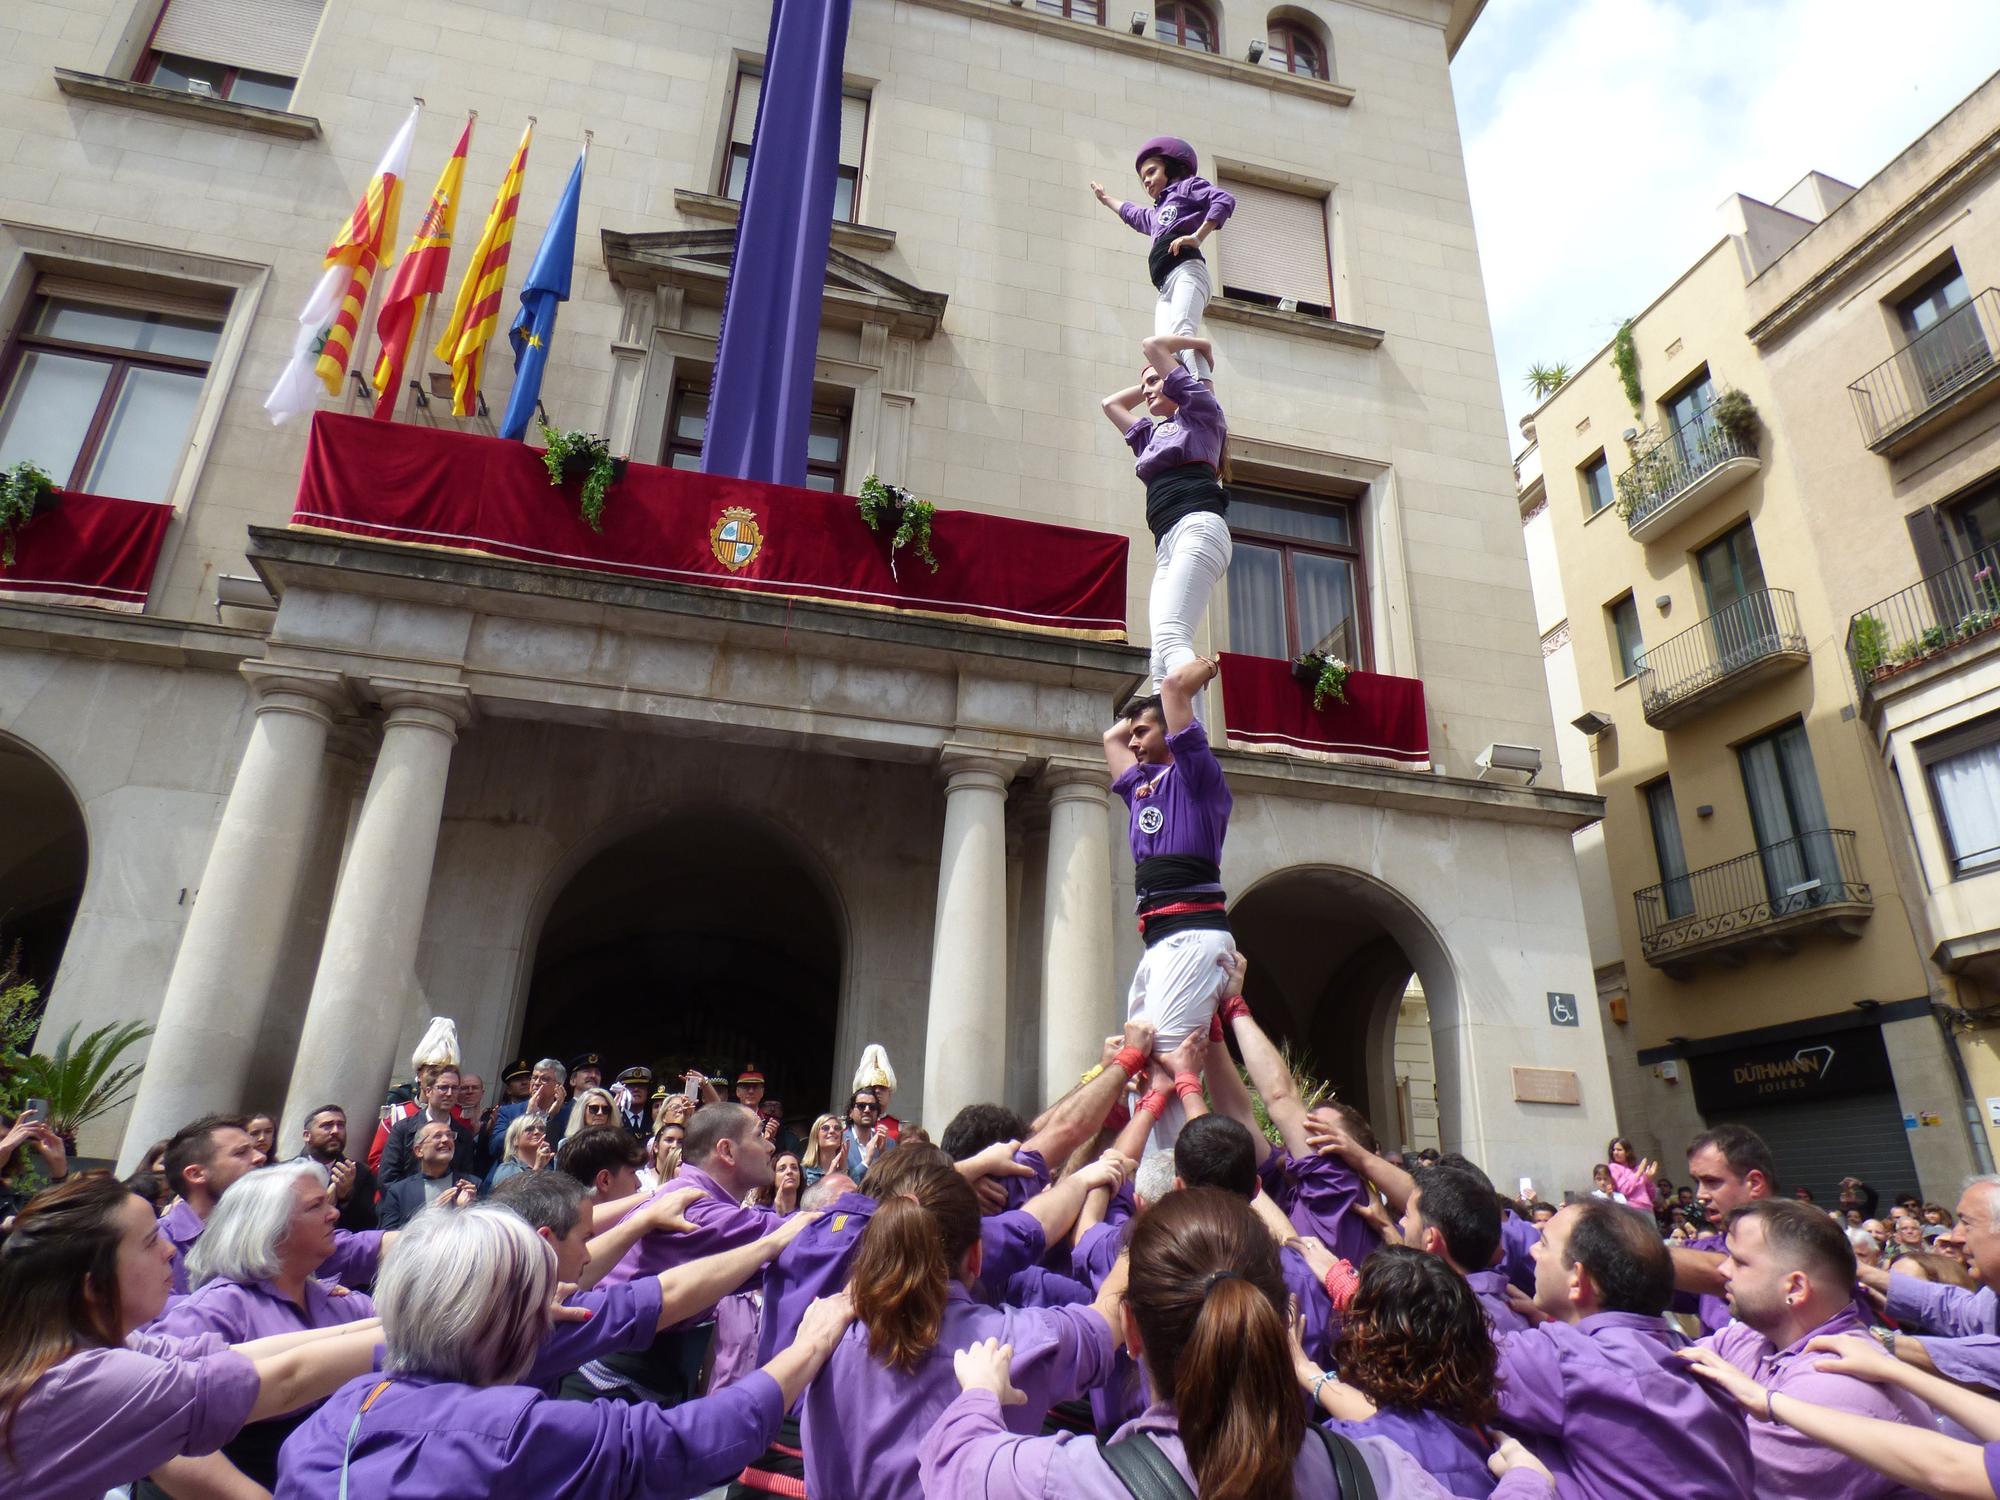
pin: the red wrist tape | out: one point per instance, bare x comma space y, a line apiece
1342, 1282
1131, 1059
1235, 1008
1118, 1119
1186, 1084
1215, 1027
1154, 1104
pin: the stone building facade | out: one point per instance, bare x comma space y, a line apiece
317, 790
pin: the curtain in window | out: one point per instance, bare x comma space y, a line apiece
1968, 800
1257, 601
1675, 888
1324, 587
1790, 819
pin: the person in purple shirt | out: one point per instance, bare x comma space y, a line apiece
1594, 1389
203, 1158
1453, 1213
1789, 1280
1732, 1168
1950, 1330
1186, 210
892, 1374
1205, 1311
87, 1402
1416, 1365
467, 1301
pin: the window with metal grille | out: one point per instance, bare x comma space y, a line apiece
1273, 250
1297, 580
826, 437
743, 127
245, 51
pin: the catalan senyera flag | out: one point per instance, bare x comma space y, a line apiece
419, 278
475, 316
328, 320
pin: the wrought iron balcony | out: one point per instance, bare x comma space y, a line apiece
1768, 898
1719, 656
1692, 464
1933, 617
1919, 387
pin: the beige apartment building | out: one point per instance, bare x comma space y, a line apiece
301, 792
1799, 943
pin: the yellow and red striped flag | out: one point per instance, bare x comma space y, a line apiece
476, 314
328, 320
418, 279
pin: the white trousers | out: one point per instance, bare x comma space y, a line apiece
1183, 299
1175, 987
1190, 558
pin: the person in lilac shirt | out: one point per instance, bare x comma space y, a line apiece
1186, 209
1594, 1389
1950, 1330
1454, 1214
1416, 1365
892, 1375
1732, 1168
1789, 1280
1206, 1311
467, 1300
87, 1401
203, 1158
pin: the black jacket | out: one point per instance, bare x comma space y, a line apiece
399, 1161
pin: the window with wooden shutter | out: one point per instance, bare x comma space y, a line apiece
1273, 249
743, 128
246, 51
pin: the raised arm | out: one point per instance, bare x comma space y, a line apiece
1080, 1115
1122, 408
313, 1371
1056, 1208
1327, 1135
1859, 1356
1268, 1072
666, 1214
1118, 756
1160, 349
1228, 1096
696, 1285
1177, 690
1699, 1272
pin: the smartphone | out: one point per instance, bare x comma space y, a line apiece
37, 1113
1527, 1186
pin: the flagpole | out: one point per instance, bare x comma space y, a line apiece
364, 329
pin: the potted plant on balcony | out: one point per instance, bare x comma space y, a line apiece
25, 492
1736, 416
1648, 477
908, 517
1869, 645
573, 457
1326, 675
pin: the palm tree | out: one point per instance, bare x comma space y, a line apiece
1543, 379
82, 1080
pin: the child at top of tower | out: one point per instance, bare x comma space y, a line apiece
1186, 209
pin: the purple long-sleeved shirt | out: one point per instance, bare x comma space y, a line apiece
353, 1262
862, 1420
1187, 809
1327, 1199
1608, 1408
1194, 434
1710, 1310
1949, 1311
1790, 1465
969, 1454
105, 1417
427, 1439
1451, 1454
239, 1311
1181, 209
1490, 1287
1518, 1239
624, 1319
720, 1223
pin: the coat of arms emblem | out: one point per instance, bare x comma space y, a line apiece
736, 537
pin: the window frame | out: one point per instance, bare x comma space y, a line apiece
122, 361
149, 68
1600, 462
673, 443
1354, 554
1681, 883
1067, 10
1978, 734
1282, 39
1178, 11
732, 148
1929, 292
1618, 651
1955, 511
1225, 287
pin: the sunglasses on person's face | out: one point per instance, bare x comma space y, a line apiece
597, 1109
868, 1108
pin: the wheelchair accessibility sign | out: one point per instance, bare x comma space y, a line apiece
1562, 1009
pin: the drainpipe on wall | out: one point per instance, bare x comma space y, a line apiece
1948, 1018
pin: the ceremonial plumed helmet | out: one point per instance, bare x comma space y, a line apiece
1173, 148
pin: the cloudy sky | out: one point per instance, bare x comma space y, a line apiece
1601, 135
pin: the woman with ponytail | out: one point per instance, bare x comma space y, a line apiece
1205, 1314
892, 1375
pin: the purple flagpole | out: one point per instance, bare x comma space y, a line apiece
760, 398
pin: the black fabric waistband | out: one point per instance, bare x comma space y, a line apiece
1182, 491
1155, 928
1159, 875
1160, 258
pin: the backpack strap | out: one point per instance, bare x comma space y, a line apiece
1144, 1470
1351, 1478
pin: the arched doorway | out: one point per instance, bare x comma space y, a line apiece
703, 940
44, 853
1352, 978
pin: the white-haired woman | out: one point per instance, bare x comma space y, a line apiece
466, 1302
252, 1276
525, 1149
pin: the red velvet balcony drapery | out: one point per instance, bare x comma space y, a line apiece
398, 482
92, 550
1382, 722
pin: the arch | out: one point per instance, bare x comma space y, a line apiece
44, 861
1187, 23
686, 936
1296, 41
1331, 954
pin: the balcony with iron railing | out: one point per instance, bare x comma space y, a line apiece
1951, 613
1768, 898
1683, 471
1721, 655
1933, 379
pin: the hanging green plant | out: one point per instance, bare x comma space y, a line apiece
1736, 415
1625, 360
1326, 675
584, 456
25, 492
881, 504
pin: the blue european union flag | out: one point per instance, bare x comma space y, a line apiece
535, 324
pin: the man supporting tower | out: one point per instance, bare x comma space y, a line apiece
1161, 764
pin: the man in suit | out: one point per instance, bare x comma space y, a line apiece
440, 1108
434, 1181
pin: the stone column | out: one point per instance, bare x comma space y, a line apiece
366, 978
965, 1046
1079, 1007
213, 1009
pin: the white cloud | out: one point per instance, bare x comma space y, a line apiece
1601, 135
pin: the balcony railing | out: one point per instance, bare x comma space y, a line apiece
1935, 615
1936, 367
1767, 897
1719, 654
1677, 464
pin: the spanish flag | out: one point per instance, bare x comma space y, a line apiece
418, 279
476, 314
328, 320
